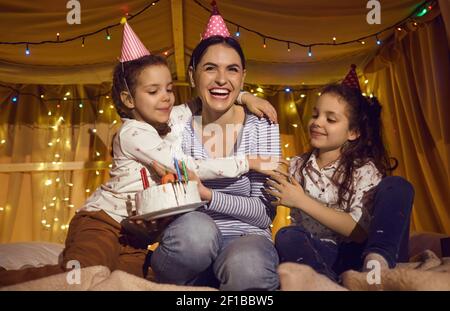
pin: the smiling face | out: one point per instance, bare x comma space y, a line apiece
218, 77
153, 95
329, 124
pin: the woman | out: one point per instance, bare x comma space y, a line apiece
230, 239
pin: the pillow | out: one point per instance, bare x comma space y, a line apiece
14, 256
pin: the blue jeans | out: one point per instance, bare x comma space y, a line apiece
388, 235
192, 251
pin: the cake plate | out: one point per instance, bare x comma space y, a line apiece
169, 212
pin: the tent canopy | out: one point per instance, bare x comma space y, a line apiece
174, 26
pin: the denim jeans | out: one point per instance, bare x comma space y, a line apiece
388, 235
192, 251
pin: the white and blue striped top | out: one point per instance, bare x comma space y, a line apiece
238, 205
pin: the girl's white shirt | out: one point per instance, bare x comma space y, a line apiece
138, 145
318, 184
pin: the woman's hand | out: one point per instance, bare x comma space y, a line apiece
286, 189
260, 107
141, 233
205, 193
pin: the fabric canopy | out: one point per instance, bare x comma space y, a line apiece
306, 21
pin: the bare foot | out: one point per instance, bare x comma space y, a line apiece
297, 277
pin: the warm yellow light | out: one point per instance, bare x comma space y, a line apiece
364, 94
115, 121
100, 111
47, 226
58, 140
57, 179
291, 106
319, 93
68, 94
54, 198
288, 217
287, 145
3, 141
69, 184
111, 106
110, 166
43, 221
88, 190
2, 208
366, 81
295, 125
56, 219
302, 95
94, 130
66, 199
49, 113
50, 144
42, 95
48, 182
288, 158
71, 205
65, 98
259, 89
97, 153
57, 155
44, 208
107, 96
97, 173
63, 227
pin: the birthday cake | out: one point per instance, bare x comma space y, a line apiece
167, 196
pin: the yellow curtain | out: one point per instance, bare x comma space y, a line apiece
411, 78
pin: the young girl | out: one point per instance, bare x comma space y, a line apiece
331, 190
143, 96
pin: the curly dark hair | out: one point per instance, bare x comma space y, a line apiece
127, 74
365, 118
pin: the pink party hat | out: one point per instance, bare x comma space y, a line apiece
216, 25
351, 79
132, 47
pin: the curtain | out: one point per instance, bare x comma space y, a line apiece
411, 78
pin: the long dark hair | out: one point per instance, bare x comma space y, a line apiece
125, 78
364, 117
201, 48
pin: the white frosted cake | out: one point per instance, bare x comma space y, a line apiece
166, 196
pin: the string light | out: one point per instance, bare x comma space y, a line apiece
378, 40
238, 33
48, 182
295, 125
27, 50
259, 89
82, 42
3, 141
302, 95
14, 99
108, 36
287, 145
57, 36
334, 40
289, 46
264, 43
309, 52
287, 90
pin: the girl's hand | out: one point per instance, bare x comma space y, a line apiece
286, 189
267, 164
260, 107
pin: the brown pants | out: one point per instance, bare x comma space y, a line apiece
93, 239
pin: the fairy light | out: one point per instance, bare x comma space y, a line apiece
57, 36
27, 50
100, 111
238, 33
97, 153
48, 182
67, 93
80, 105
264, 43
288, 158
65, 98
49, 113
309, 51
42, 96
69, 184
399, 28
334, 40
3, 141
82, 42
295, 125
94, 130
292, 106
289, 46
97, 173
287, 90
88, 190
363, 42
378, 40
319, 93
108, 36
286, 145
366, 81
260, 89
302, 95
14, 99
107, 96
58, 179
